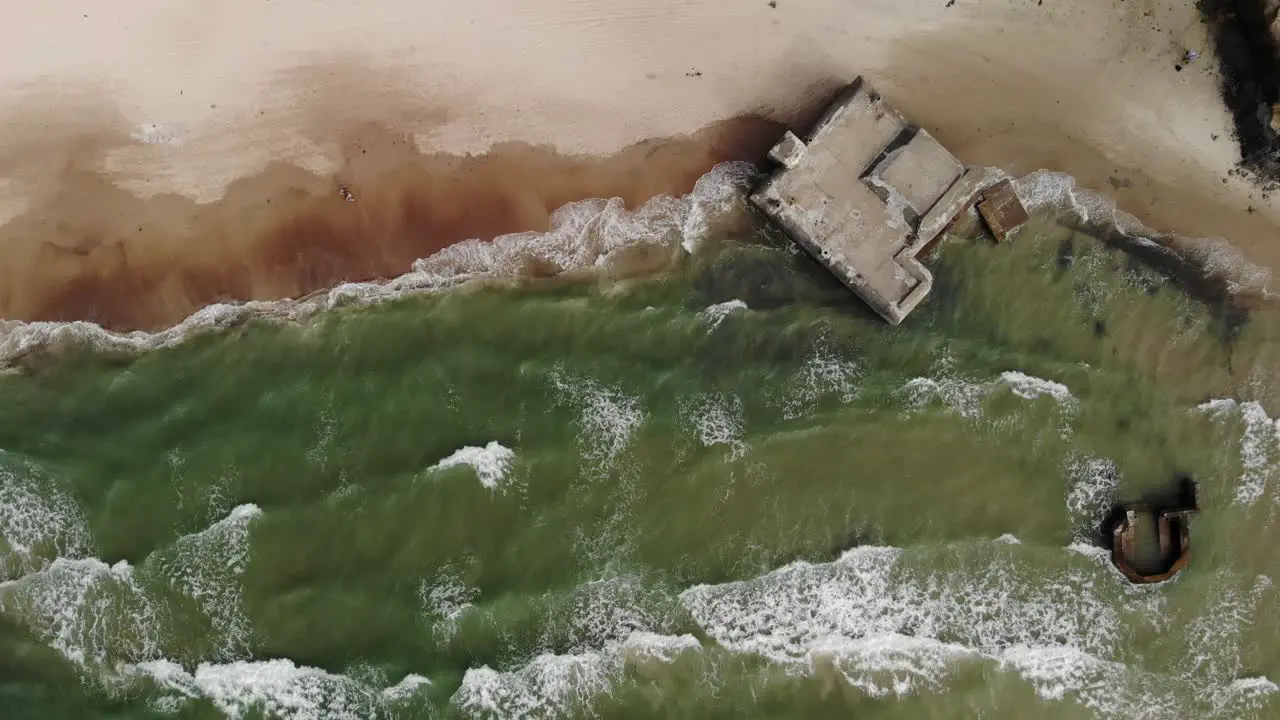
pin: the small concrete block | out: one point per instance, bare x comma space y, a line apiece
789, 151
1002, 210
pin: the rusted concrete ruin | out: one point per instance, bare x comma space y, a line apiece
1150, 540
867, 193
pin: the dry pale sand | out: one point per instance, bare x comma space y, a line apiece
158, 156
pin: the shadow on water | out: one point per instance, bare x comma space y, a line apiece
1229, 309
768, 272
788, 289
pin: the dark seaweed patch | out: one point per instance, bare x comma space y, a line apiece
1250, 67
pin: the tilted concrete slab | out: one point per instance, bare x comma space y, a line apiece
920, 171
959, 198
856, 192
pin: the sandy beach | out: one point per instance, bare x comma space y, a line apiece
157, 157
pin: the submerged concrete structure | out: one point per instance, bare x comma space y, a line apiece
1150, 540
866, 192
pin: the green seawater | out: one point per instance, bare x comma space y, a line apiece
639, 499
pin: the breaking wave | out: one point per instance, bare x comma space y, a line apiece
966, 397
1259, 447
116, 622
38, 521
601, 238
605, 625
587, 239
554, 685
715, 314
275, 688
894, 621
491, 463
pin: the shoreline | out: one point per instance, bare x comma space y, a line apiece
605, 239
91, 251
135, 207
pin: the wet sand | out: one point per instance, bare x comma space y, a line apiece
92, 251
159, 158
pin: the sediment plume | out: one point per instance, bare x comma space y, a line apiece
89, 250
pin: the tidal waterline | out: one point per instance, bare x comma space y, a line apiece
727, 491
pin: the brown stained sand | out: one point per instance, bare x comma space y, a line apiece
89, 250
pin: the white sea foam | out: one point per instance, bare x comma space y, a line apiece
444, 598
717, 196
641, 645
100, 616
716, 419
1217, 406
1092, 483
94, 614
492, 463
965, 396
1216, 638
589, 237
38, 522
888, 663
1110, 689
208, 566
1259, 447
278, 688
890, 627
1216, 634
218, 494
554, 685
108, 620
825, 373
408, 686
606, 623
1250, 694
959, 394
318, 453
890, 631
548, 686
715, 314
1030, 388
603, 613
1098, 555
607, 419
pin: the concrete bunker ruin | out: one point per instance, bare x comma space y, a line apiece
1150, 539
866, 193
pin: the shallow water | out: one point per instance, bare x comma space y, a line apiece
722, 491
